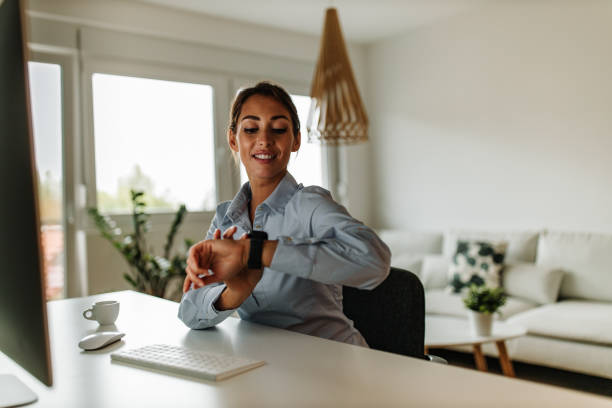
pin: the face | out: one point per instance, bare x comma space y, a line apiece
264, 138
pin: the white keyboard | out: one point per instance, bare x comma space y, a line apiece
179, 360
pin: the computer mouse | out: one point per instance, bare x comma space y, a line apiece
100, 339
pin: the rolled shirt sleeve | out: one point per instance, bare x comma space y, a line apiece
197, 308
340, 250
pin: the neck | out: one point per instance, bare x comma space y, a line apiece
260, 190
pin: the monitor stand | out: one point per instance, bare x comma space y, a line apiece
14, 393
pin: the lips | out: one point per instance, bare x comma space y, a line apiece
264, 157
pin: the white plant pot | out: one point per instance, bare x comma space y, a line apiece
480, 323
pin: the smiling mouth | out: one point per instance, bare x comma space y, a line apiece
264, 156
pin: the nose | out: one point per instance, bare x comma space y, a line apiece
265, 138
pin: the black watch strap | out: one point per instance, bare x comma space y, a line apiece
256, 249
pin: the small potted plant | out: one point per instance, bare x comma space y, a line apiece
483, 302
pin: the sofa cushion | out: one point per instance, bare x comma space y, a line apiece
440, 301
576, 320
434, 272
408, 261
522, 246
529, 281
586, 260
408, 248
477, 263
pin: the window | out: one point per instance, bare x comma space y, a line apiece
46, 95
306, 165
156, 136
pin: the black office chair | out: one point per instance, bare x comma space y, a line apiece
391, 317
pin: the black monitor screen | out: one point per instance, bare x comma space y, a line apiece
23, 319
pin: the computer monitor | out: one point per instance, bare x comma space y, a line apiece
23, 314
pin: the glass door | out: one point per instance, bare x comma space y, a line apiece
46, 99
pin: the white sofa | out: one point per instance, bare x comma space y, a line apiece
560, 287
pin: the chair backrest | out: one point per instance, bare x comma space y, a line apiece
390, 317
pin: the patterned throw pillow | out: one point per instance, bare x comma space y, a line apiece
477, 262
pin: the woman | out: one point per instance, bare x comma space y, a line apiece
313, 245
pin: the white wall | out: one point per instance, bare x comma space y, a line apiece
500, 118
95, 32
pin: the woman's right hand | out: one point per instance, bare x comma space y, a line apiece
239, 286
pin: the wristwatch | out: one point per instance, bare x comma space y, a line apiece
257, 241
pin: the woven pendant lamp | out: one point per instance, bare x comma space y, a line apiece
337, 115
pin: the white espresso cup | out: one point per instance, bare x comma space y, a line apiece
104, 312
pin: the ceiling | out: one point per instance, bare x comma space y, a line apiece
362, 20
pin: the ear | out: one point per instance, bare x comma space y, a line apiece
233, 142
297, 142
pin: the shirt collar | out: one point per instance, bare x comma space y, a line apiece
239, 203
275, 201
282, 194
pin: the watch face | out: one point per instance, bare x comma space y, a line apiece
258, 235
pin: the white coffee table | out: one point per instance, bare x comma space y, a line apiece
445, 331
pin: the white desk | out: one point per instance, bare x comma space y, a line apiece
300, 371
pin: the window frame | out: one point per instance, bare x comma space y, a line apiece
224, 180
68, 62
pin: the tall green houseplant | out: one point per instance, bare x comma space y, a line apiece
149, 273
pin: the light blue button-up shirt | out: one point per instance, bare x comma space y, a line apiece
320, 248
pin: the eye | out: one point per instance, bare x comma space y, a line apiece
279, 130
251, 130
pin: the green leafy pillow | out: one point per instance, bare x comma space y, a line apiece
477, 263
